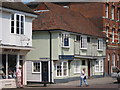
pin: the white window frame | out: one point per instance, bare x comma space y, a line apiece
99, 65
15, 25
64, 35
83, 42
113, 12
33, 66
113, 35
62, 69
107, 10
100, 44
77, 66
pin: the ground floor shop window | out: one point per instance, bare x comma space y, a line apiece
62, 68
9, 63
99, 66
77, 66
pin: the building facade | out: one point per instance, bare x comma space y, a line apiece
15, 41
106, 17
63, 46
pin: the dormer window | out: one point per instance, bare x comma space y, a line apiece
17, 23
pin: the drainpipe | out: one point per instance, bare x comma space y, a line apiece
50, 56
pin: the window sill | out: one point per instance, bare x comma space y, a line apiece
35, 72
76, 72
98, 71
83, 48
62, 76
17, 34
66, 47
112, 19
100, 50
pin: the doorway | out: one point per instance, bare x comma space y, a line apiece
108, 67
89, 68
45, 73
21, 64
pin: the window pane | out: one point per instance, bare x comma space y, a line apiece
12, 23
22, 28
17, 17
17, 30
12, 29
22, 19
83, 62
77, 37
66, 41
12, 17
36, 67
88, 39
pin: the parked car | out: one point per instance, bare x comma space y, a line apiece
116, 73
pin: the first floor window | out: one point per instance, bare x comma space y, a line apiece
83, 62
65, 40
36, 67
62, 68
83, 42
113, 59
100, 44
106, 11
77, 66
107, 31
113, 12
113, 33
77, 37
99, 66
17, 23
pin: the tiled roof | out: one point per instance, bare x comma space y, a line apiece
91, 10
65, 19
17, 6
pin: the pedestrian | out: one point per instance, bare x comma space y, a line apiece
83, 77
18, 74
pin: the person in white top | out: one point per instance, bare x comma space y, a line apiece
19, 74
83, 77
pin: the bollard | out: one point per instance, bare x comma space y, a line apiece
45, 79
45, 84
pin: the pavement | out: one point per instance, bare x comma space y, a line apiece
104, 82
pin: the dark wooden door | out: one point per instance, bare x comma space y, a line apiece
45, 71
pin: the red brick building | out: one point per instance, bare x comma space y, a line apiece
105, 16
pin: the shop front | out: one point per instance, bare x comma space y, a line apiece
10, 59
